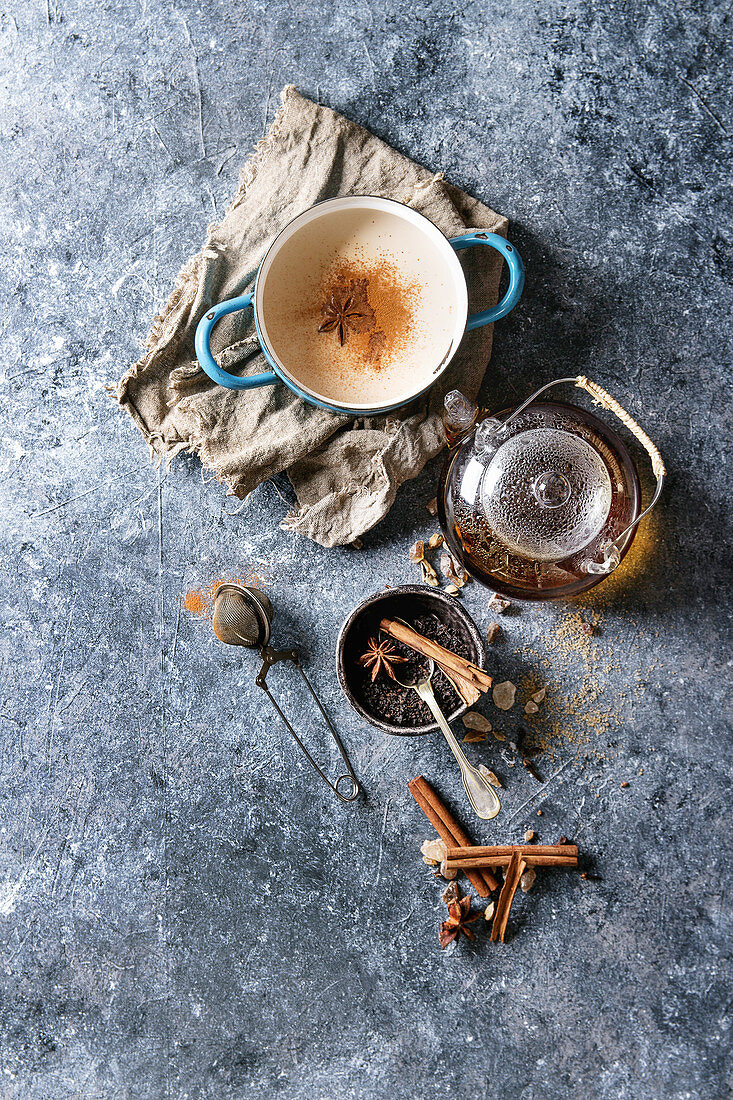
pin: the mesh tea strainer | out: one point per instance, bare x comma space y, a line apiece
243, 616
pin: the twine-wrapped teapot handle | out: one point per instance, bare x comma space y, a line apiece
611, 553
603, 397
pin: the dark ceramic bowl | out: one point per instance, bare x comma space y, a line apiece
405, 602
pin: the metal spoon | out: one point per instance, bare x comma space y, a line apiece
481, 794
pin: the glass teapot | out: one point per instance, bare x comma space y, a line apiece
541, 501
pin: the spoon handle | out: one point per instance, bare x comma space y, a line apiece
481, 794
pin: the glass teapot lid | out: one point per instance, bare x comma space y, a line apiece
544, 500
546, 493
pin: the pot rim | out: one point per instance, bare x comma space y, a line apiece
370, 202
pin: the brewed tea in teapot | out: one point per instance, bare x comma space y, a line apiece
541, 501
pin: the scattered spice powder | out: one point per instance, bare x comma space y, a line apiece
200, 601
578, 708
586, 704
196, 602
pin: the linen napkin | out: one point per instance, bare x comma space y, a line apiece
345, 471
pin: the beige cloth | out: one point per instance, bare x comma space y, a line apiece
345, 472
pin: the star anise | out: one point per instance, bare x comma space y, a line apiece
337, 314
459, 917
381, 655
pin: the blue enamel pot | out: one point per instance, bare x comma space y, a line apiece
375, 228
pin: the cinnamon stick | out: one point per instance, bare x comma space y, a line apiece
466, 669
506, 897
538, 860
449, 831
499, 855
467, 692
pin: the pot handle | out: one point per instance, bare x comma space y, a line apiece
516, 274
207, 361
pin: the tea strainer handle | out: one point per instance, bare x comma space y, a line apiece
611, 552
346, 786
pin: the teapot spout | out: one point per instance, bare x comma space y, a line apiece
610, 560
459, 416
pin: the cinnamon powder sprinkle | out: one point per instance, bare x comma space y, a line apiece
200, 601
381, 303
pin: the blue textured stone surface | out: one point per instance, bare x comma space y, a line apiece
185, 911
